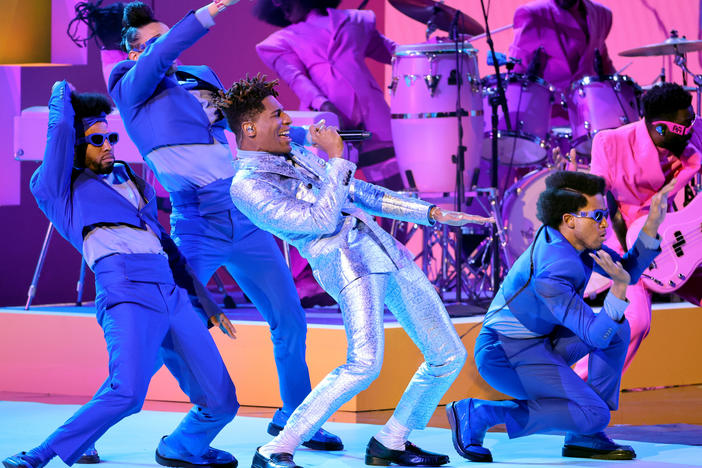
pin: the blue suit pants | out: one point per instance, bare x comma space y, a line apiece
146, 323
548, 393
252, 257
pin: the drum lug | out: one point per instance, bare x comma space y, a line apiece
432, 82
587, 125
409, 79
624, 119
393, 85
581, 92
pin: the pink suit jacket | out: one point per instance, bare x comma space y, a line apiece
323, 59
567, 54
630, 163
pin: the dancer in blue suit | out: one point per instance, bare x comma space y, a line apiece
109, 215
538, 325
168, 113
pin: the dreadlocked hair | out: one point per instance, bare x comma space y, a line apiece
244, 100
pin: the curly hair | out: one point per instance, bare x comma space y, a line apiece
136, 15
267, 11
244, 100
565, 193
86, 105
664, 100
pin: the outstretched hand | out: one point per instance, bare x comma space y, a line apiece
224, 324
658, 209
456, 218
569, 162
614, 270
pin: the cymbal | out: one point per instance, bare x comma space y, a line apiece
423, 10
671, 46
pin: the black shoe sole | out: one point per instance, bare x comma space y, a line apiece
274, 430
456, 437
575, 451
184, 464
377, 461
88, 460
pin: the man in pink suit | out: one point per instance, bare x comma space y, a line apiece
636, 160
569, 31
320, 54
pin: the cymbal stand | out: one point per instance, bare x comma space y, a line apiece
681, 61
497, 100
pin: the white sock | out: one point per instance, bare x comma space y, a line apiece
393, 435
285, 442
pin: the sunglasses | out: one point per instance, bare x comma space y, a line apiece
98, 139
678, 129
596, 215
142, 47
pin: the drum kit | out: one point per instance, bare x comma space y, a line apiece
424, 96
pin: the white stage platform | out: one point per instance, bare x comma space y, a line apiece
131, 443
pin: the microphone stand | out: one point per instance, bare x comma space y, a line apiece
496, 100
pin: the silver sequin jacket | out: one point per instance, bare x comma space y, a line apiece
319, 208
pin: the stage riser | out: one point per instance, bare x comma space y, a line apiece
65, 355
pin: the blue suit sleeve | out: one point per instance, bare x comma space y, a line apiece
139, 82
555, 287
52, 180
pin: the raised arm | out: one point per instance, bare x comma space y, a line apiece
53, 178
132, 85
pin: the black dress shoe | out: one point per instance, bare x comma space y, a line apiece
89, 457
379, 455
598, 446
277, 460
22, 460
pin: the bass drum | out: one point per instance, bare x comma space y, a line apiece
521, 223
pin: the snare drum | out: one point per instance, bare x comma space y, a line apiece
596, 104
423, 107
529, 100
521, 223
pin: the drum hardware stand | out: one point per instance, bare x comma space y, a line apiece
40, 265
681, 61
496, 100
473, 274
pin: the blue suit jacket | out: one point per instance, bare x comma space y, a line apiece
156, 110
76, 200
554, 296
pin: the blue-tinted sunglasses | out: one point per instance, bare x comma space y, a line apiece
98, 139
596, 215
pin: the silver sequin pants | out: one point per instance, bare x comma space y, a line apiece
412, 299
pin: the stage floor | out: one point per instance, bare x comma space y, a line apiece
132, 441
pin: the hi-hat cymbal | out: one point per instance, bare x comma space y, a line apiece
424, 10
671, 46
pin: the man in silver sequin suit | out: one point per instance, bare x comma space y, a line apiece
319, 208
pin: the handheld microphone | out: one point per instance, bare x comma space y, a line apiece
301, 135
